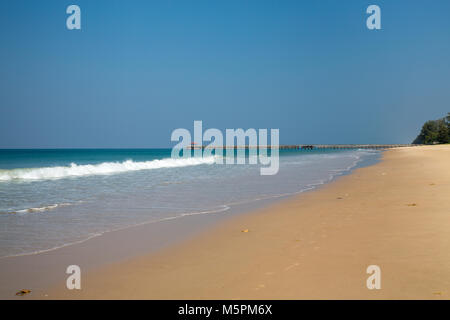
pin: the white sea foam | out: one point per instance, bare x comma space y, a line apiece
41, 209
121, 204
105, 168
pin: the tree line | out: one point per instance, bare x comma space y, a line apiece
435, 131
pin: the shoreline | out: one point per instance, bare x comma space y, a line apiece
142, 265
313, 246
253, 205
85, 233
39, 271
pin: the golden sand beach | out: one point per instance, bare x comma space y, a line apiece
318, 245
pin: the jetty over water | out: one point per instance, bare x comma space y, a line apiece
355, 146
313, 146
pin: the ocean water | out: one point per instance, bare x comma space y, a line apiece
54, 198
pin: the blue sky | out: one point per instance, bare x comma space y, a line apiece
139, 69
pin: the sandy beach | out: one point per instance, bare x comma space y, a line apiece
318, 245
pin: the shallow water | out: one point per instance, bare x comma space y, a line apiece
52, 198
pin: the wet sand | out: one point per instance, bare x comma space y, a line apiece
318, 245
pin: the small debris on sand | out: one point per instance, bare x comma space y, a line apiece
245, 230
23, 292
411, 204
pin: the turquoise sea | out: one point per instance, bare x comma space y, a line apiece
53, 198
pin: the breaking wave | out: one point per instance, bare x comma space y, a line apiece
105, 168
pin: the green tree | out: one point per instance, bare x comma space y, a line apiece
428, 134
443, 132
448, 126
435, 131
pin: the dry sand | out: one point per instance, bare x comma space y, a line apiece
395, 214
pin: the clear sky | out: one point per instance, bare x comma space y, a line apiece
139, 69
